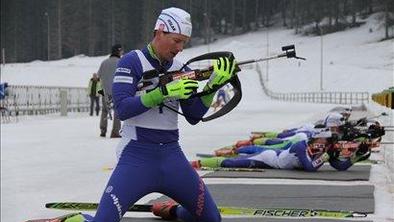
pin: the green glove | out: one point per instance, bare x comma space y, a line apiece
152, 98
223, 70
76, 218
325, 157
178, 89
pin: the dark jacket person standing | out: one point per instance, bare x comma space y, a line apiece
106, 73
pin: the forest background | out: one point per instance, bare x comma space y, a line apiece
56, 29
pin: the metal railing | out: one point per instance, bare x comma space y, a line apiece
315, 97
324, 97
38, 100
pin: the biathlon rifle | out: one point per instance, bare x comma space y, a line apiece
153, 78
372, 132
365, 120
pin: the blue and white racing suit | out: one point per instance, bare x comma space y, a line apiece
293, 157
149, 156
302, 133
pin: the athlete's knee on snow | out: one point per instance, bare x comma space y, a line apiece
204, 213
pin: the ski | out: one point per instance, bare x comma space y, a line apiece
108, 168
209, 155
238, 211
81, 206
213, 169
55, 219
204, 155
230, 169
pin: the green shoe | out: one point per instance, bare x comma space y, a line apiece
76, 218
271, 134
212, 162
260, 141
279, 145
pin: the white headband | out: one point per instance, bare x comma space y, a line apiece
174, 20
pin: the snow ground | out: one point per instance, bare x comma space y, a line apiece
52, 158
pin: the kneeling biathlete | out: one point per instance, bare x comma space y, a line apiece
150, 157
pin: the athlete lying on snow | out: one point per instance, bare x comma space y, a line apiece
370, 133
307, 156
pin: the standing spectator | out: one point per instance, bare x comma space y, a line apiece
106, 73
3, 90
93, 89
5, 113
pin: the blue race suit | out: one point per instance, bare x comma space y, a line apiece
304, 133
149, 156
222, 95
293, 157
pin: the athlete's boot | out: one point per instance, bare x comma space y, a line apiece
76, 218
195, 164
165, 210
212, 162
79, 218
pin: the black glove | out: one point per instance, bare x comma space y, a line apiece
362, 149
376, 131
365, 157
333, 153
362, 153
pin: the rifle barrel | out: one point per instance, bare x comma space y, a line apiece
387, 142
261, 60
